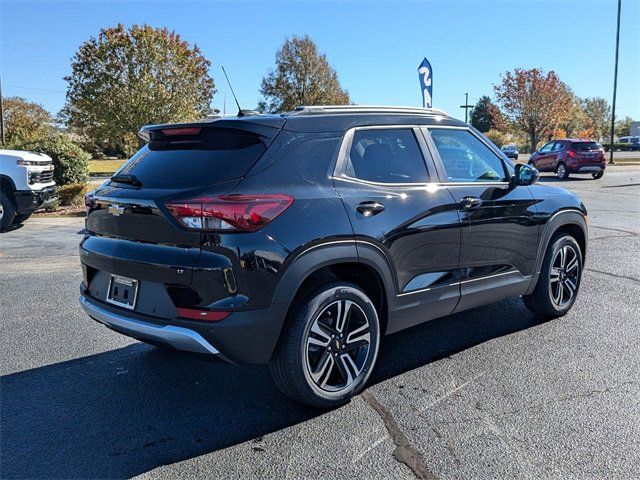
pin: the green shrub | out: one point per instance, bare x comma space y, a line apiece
70, 161
72, 194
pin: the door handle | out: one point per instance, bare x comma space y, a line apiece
369, 209
470, 202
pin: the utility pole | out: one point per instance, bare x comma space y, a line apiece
1, 116
615, 87
466, 107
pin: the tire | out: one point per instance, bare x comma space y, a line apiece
310, 364
7, 212
544, 299
22, 218
561, 171
597, 175
532, 164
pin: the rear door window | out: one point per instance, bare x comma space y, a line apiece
585, 146
213, 155
465, 158
386, 156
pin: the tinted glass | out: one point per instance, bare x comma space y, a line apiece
206, 159
546, 148
386, 156
465, 158
558, 146
585, 146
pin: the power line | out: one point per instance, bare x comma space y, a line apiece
36, 88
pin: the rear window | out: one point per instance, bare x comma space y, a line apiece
185, 161
585, 146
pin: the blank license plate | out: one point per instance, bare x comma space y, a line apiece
123, 291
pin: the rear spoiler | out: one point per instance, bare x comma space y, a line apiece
266, 127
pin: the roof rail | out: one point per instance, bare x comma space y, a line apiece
333, 109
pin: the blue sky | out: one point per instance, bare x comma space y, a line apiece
375, 46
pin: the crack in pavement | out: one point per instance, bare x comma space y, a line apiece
435, 430
588, 394
404, 452
623, 277
615, 230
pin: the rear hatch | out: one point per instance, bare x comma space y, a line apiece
178, 160
588, 152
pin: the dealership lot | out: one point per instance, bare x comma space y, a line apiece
492, 392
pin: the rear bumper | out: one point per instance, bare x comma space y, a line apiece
243, 337
178, 337
28, 201
588, 168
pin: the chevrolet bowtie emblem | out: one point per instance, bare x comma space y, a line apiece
115, 210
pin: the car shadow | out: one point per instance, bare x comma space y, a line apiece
126, 411
551, 178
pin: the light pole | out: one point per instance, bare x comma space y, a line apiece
615, 87
466, 107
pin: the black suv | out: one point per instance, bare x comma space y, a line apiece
299, 240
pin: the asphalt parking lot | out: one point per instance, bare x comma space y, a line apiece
490, 393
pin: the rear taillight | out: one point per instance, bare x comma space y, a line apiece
244, 213
571, 153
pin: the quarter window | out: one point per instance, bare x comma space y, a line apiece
386, 156
465, 158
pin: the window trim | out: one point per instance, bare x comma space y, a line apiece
340, 169
440, 165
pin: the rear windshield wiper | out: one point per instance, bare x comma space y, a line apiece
130, 179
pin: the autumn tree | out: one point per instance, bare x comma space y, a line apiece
24, 121
302, 76
598, 113
486, 116
126, 78
623, 127
577, 124
536, 102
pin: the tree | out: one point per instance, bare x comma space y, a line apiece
536, 102
24, 121
124, 79
598, 113
70, 161
578, 123
302, 76
486, 116
623, 127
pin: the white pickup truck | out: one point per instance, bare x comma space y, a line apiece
26, 184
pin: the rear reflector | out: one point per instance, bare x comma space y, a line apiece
244, 213
194, 314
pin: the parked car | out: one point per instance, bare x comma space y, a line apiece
629, 143
26, 184
567, 156
511, 151
300, 240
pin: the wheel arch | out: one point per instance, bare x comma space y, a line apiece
571, 221
337, 261
7, 185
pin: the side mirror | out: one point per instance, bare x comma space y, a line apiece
524, 175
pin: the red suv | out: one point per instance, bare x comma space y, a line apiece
570, 156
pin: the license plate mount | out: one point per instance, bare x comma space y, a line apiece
123, 291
